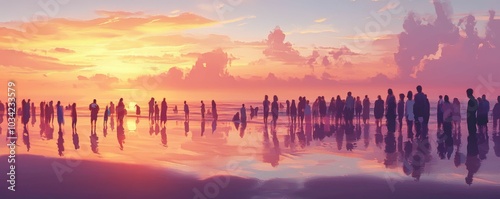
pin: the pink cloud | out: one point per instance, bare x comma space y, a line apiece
14, 58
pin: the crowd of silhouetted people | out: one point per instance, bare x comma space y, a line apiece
319, 117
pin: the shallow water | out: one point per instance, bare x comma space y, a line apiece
208, 148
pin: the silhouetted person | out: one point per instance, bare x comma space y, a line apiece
496, 115
94, 110
60, 114
33, 114
2, 111
47, 114
293, 112
186, 111
366, 110
359, 109
266, 104
236, 117
378, 111
175, 109
483, 112
111, 108
164, 108
25, 114
288, 108
137, 110
340, 111
349, 109
203, 110
419, 111
391, 111
151, 109
42, 110
410, 116
243, 114
275, 109
300, 109
440, 112
447, 109
457, 117
427, 115
401, 110
322, 109
107, 112
156, 117
120, 111
472, 106
74, 117
215, 116
332, 109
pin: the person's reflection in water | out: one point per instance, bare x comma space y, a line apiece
214, 125
112, 122
366, 135
49, 131
151, 129
496, 140
120, 135
157, 128
379, 138
105, 131
420, 157
26, 139
340, 137
472, 162
459, 157
242, 129
350, 138
76, 140
483, 143
390, 150
302, 137
186, 128
271, 154
202, 127
164, 136
94, 142
60, 143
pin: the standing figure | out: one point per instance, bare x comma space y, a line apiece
151, 109
265, 104
359, 108
401, 110
164, 108
203, 110
410, 117
472, 106
457, 116
186, 111
73, 117
440, 112
215, 116
378, 111
366, 109
94, 110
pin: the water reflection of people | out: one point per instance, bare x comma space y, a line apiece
120, 135
271, 154
214, 125
26, 138
60, 143
390, 150
76, 140
242, 129
366, 135
472, 162
496, 140
483, 143
94, 141
420, 156
186, 128
202, 127
164, 136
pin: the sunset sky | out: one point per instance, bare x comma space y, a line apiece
246, 48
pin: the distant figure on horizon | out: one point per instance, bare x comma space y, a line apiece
60, 114
378, 111
175, 109
107, 112
410, 116
215, 116
164, 108
243, 114
74, 117
156, 116
483, 112
440, 112
275, 109
266, 104
300, 109
472, 107
401, 110
94, 110
457, 116
419, 109
33, 113
186, 111
358, 106
293, 112
252, 112
203, 110
151, 109
366, 110
137, 110
496, 115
